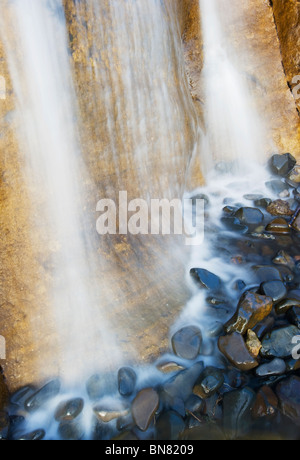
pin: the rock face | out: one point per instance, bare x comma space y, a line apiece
287, 18
25, 318
252, 31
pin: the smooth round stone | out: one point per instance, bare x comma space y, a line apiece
205, 279
125, 423
266, 404
266, 273
253, 197
264, 327
37, 435
69, 410
20, 396
108, 415
285, 305
278, 226
279, 343
187, 342
230, 209
126, 381
44, 395
250, 216
262, 203
275, 367
278, 187
288, 393
209, 383
294, 175
283, 258
169, 367
294, 316
180, 387
144, 408
233, 224
235, 350
282, 165
274, 289
70, 431
237, 412
169, 426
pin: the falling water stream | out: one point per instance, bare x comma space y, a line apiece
153, 125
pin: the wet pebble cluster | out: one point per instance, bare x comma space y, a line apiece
251, 388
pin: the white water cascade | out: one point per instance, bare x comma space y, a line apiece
46, 111
234, 129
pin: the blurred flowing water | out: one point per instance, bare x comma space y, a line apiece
234, 130
144, 120
35, 38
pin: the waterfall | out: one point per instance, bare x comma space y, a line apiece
39, 65
235, 131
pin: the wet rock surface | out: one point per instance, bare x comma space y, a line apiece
252, 309
144, 407
187, 342
232, 371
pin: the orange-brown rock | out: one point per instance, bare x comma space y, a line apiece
287, 18
252, 309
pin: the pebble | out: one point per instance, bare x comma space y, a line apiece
285, 305
169, 367
279, 188
278, 226
206, 279
187, 342
295, 223
250, 216
107, 415
274, 289
294, 316
237, 412
253, 343
282, 165
235, 350
43, 395
283, 258
69, 410
266, 404
233, 224
208, 383
144, 408
275, 367
263, 203
278, 344
266, 273
169, 426
288, 393
37, 435
264, 327
279, 208
20, 396
294, 175
127, 379
252, 309
180, 387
